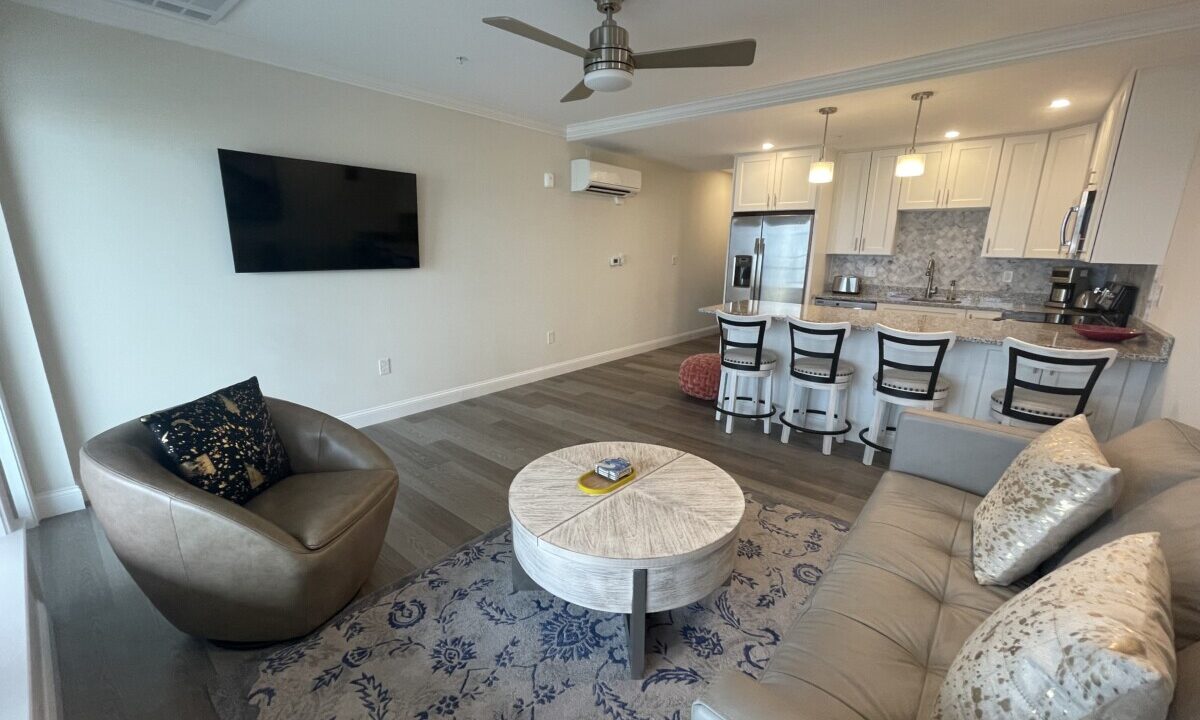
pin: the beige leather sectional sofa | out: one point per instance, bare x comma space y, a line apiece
879, 631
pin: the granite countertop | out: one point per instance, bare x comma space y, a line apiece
1155, 346
912, 296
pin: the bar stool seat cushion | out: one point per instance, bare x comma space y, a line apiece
742, 356
820, 368
1036, 403
911, 381
700, 375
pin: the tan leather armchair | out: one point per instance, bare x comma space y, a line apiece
273, 569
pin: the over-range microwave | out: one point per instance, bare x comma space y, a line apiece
1073, 237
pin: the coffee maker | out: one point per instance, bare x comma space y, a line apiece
1064, 282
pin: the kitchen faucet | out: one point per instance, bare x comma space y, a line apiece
930, 288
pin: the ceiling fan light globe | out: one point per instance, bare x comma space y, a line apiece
820, 173
608, 80
911, 165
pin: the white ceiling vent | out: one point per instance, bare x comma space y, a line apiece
205, 11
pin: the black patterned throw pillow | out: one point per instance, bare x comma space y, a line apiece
224, 443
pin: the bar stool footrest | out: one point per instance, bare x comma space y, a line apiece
749, 416
811, 431
862, 435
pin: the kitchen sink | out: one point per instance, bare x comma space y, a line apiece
932, 301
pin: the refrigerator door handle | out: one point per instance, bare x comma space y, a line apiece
756, 290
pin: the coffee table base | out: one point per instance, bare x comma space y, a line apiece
635, 620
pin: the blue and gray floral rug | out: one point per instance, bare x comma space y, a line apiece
455, 641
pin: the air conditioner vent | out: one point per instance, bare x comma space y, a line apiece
205, 11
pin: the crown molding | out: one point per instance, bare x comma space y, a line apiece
213, 38
979, 56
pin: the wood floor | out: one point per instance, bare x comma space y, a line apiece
118, 658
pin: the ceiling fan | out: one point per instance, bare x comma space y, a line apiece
608, 63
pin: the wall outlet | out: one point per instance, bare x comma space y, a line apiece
1006, 276
870, 271
674, 259
549, 337
616, 261
385, 366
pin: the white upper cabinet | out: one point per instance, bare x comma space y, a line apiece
753, 182
1064, 177
925, 191
793, 191
774, 181
971, 176
1016, 192
882, 204
1142, 185
850, 178
958, 175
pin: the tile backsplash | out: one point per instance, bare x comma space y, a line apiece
955, 239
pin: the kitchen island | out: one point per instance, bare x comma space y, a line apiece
975, 366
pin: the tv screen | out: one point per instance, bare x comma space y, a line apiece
287, 214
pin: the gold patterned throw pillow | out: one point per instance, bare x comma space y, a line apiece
224, 443
1091, 640
1055, 488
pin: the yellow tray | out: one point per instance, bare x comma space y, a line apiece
593, 484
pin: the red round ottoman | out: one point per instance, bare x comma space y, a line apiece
700, 376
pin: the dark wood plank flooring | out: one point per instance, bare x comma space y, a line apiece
118, 658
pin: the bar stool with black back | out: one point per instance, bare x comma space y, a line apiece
744, 358
908, 374
817, 364
1047, 385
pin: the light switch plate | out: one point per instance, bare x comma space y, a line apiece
548, 180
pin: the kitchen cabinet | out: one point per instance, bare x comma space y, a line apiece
771, 181
957, 175
921, 310
1143, 179
866, 197
1016, 191
1064, 176
924, 192
983, 314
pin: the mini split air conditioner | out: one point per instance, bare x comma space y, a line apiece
601, 179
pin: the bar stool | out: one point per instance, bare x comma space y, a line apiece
743, 358
909, 374
1037, 404
821, 370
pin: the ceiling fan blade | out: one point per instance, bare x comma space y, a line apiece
726, 54
525, 30
579, 92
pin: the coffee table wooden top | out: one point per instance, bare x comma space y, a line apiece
679, 506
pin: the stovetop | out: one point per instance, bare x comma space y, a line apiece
1068, 317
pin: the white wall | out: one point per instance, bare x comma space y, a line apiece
1177, 394
108, 172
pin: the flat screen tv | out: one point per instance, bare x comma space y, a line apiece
286, 215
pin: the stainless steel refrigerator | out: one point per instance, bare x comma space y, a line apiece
768, 257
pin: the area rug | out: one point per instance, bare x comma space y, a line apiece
455, 640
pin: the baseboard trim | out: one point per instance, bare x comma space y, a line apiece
421, 403
58, 502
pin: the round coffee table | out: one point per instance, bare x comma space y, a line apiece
664, 540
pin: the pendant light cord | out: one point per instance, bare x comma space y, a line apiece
824, 137
920, 97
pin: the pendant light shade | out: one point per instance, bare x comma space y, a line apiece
821, 172
912, 163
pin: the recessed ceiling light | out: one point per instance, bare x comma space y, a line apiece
768, 146
951, 134
1060, 103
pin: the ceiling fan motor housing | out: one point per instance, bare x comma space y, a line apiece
610, 66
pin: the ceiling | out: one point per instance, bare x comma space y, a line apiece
409, 48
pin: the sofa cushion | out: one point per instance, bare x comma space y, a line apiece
1186, 703
315, 508
223, 443
1091, 640
1175, 516
1153, 457
880, 630
1055, 488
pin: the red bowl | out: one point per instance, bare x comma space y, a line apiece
1105, 333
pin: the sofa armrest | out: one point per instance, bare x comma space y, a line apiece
735, 696
960, 452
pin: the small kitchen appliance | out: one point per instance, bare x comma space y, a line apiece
1063, 282
846, 285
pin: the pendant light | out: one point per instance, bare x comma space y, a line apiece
821, 172
912, 164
